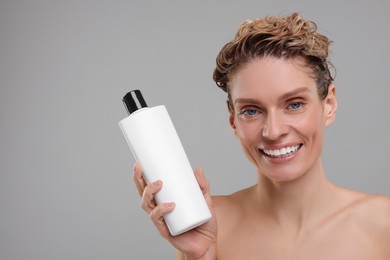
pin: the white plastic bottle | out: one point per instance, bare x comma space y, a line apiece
154, 142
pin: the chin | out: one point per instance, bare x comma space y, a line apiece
279, 175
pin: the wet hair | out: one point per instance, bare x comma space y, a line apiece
283, 37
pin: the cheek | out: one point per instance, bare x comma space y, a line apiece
248, 137
311, 128
248, 133
311, 123
308, 125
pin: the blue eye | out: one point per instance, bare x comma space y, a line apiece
295, 105
249, 112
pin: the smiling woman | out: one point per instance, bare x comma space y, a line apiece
286, 113
280, 97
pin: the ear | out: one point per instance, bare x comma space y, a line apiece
330, 105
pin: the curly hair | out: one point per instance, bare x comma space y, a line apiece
286, 37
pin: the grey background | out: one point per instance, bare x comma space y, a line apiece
65, 169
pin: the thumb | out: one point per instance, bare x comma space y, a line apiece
203, 184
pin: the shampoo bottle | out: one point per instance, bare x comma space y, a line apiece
155, 143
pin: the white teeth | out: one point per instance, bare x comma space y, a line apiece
282, 152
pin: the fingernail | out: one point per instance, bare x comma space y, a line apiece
134, 166
156, 183
171, 204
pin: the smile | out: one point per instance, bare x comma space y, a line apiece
283, 152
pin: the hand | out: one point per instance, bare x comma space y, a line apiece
195, 243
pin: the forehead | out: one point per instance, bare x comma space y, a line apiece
271, 78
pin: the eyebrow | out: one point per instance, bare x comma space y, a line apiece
293, 93
281, 98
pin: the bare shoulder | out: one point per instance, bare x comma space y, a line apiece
372, 213
228, 202
374, 209
229, 209
367, 209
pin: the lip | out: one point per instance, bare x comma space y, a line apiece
283, 158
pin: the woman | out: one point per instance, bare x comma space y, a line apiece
281, 97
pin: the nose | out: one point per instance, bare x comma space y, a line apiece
274, 126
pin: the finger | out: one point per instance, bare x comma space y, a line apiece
138, 178
202, 181
203, 184
148, 202
157, 216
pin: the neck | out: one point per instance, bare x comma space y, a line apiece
297, 203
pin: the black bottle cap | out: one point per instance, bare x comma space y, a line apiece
133, 101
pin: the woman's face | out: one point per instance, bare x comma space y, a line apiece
279, 118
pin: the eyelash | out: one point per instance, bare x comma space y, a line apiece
300, 103
247, 112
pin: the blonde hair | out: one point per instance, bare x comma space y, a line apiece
284, 37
